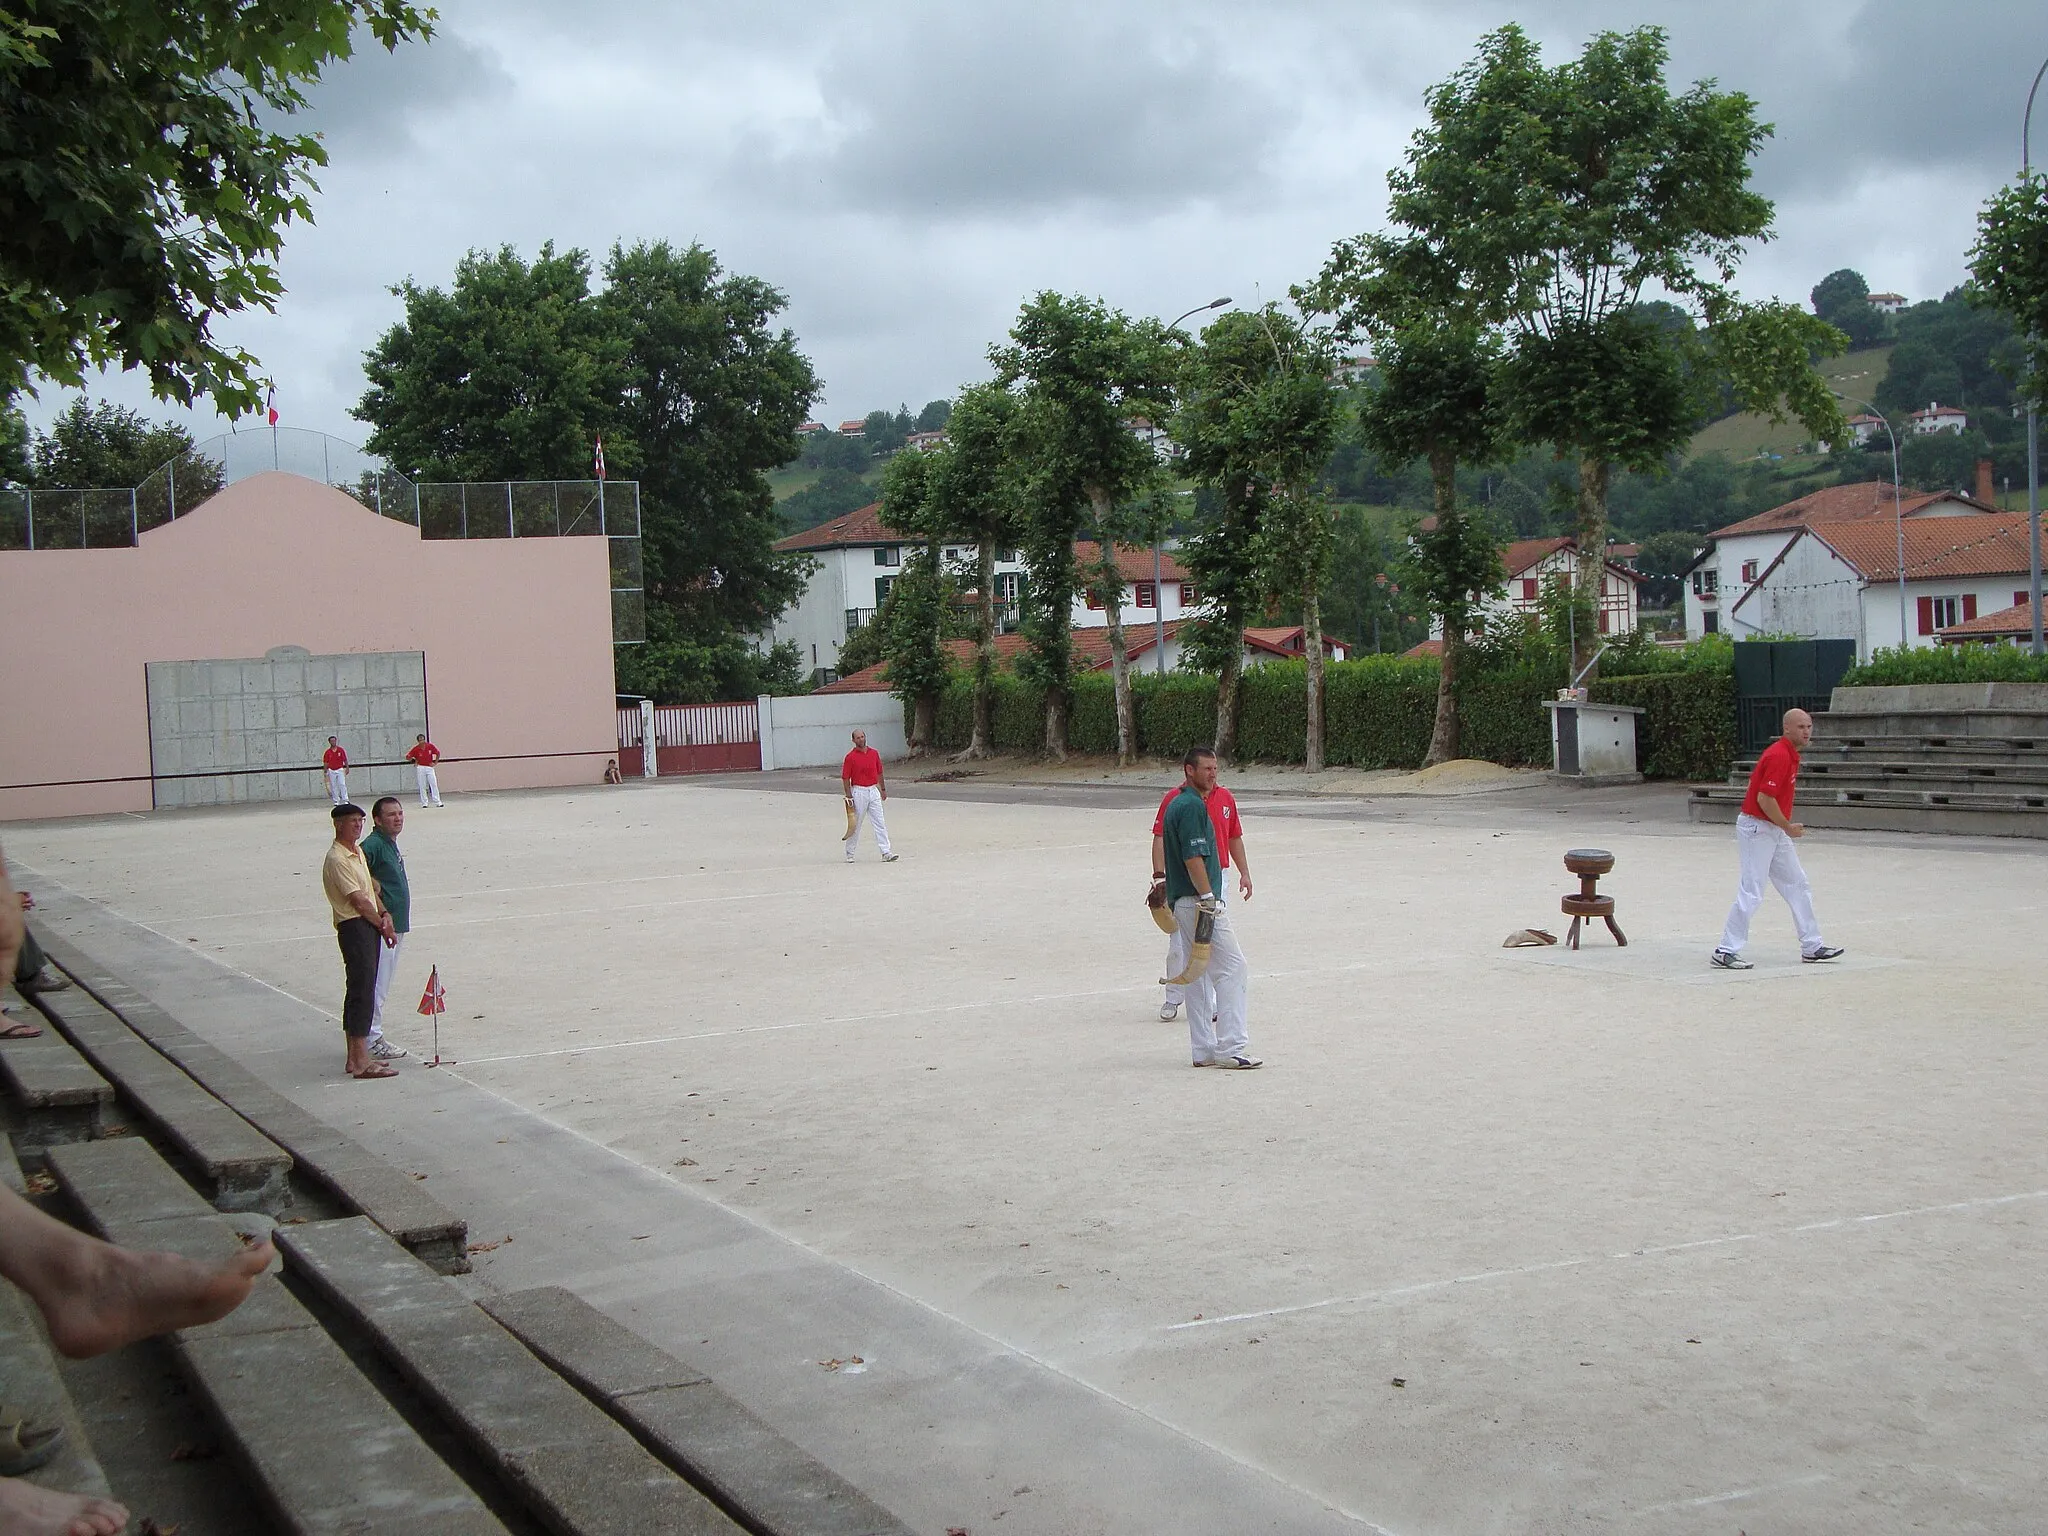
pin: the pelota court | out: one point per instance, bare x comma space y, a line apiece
1498, 1240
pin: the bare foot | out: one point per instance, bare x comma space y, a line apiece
118, 1295
27, 1510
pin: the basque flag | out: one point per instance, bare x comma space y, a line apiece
435, 998
270, 401
597, 459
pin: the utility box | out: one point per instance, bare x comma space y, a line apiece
1593, 743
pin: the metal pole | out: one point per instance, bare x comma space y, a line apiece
171, 488
134, 522
2033, 409
29, 498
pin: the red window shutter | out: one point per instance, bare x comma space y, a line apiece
2021, 599
1969, 606
1926, 615
1528, 589
1603, 621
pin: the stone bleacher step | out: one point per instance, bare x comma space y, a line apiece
331, 1456
243, 1169
51, 1093
767, 1483
583, 1473
341, 1166
33, 1384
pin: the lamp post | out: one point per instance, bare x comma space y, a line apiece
1158, 585
2033, 410
1898, 516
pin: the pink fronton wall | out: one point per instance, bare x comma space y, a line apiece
517, 636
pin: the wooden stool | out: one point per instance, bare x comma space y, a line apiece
1589, 864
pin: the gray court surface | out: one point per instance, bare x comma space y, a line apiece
1497, 1241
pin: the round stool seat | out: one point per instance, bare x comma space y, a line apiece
1588, 861
1587, 906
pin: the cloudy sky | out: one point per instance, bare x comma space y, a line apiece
908, 171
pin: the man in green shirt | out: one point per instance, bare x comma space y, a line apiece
387, 868
1219, 997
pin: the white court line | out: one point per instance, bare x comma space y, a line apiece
1739, 1493
1364, 1297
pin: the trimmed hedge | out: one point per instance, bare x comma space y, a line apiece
1378, 713
2000, 663
1687, 728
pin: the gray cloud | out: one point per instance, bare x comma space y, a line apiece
909, 171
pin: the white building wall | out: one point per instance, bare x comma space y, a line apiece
815, 731
1811, 593
1994, 594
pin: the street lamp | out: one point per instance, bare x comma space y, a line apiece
2033, 410
1898, 516
1158, 585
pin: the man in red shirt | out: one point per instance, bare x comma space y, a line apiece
861, 777
336, 761
1222, 808
1764, 835
423, 754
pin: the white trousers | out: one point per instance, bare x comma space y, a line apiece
1219, 998
867, 806
1768, 855
387, 968
430, 784
1177, 955
337, 785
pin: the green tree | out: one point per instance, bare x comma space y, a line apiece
710, 397
1579, 191
1843, 300
975, 487
1082, 371
886, 432
144, 187
914, 633
105, 444
834, 493
510, 374
1664, 558
14, 449
2009, 270
934, 416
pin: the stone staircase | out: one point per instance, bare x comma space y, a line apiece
1948, 757
367, 1385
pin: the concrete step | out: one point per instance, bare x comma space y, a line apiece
240, 1167
329, 1454
49, 1093
1966, 796
756, 1475
1941, 764
1903, 813
341, 1167
33, 1383
581, 1471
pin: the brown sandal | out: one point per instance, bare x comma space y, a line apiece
374, 1069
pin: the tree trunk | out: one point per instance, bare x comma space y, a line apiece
1227, 696
978, 744
1592, 562
1109, 582
1056, 724
1312, 644
924, 719
1443, 739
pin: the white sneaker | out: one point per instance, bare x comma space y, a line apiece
891, 858
1168, 1012
1237, 1063
384, 1050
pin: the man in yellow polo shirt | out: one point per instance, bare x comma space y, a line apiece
361, 925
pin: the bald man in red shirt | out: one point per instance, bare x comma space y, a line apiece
1764, 836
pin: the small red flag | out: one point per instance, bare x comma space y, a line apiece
270, 403
597, 458
435, 998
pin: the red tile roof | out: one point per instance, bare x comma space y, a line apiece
1287, 640
1425, 648
1983, 544
2015, 622
1523, 553
861, 526
1134, 561
1091, 654
1845, 503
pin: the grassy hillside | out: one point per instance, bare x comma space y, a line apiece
1744, 436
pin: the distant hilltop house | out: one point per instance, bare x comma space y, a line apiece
1737, 556
1350, 370
858, 558
925, 442
1864, 427
1887, 303
810, 429
1939, 418
853, 428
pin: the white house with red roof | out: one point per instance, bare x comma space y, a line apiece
1532, 564
858, 557
1736, 555
1840, 581
1887, 303
1939, 418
